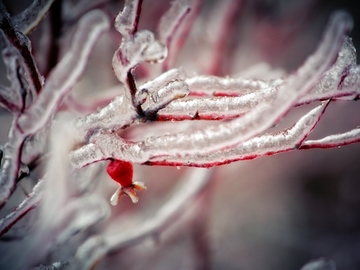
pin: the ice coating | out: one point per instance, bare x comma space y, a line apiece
156, 52
22, 43
170, 21
114, 116
164, 79
218, 107
142, 47
63, 77
213, 85
30, 202
11, 97
127, 20
171, 91
332, 83
235, 131
31, 16
169, 25
258, 146
335, 140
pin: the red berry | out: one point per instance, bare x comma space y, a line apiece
120, 171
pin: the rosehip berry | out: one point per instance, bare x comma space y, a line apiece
121, 171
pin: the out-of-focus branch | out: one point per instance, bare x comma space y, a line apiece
169, 25
31, 202
22, 43
27, 20
66, 73
224, 22
62, 79
94, 249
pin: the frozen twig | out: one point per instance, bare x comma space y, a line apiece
27, 20
169, 24
336, 140
31, 202
66, 73
13, 97
60, 82
224, 22
213, 138
219, 86
268, 144
182, 34
126, 22
22, 43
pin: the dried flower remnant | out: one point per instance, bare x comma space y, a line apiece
122, 172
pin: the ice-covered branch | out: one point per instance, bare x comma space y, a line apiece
221, 26
169, 25
340, 81
27, 20
66, 73
219, 86
336, 140
22, 43
31, 202
61, 80
13, 97
97, 247
126, 22
263, 145
214, 138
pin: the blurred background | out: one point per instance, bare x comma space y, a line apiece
274, 212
